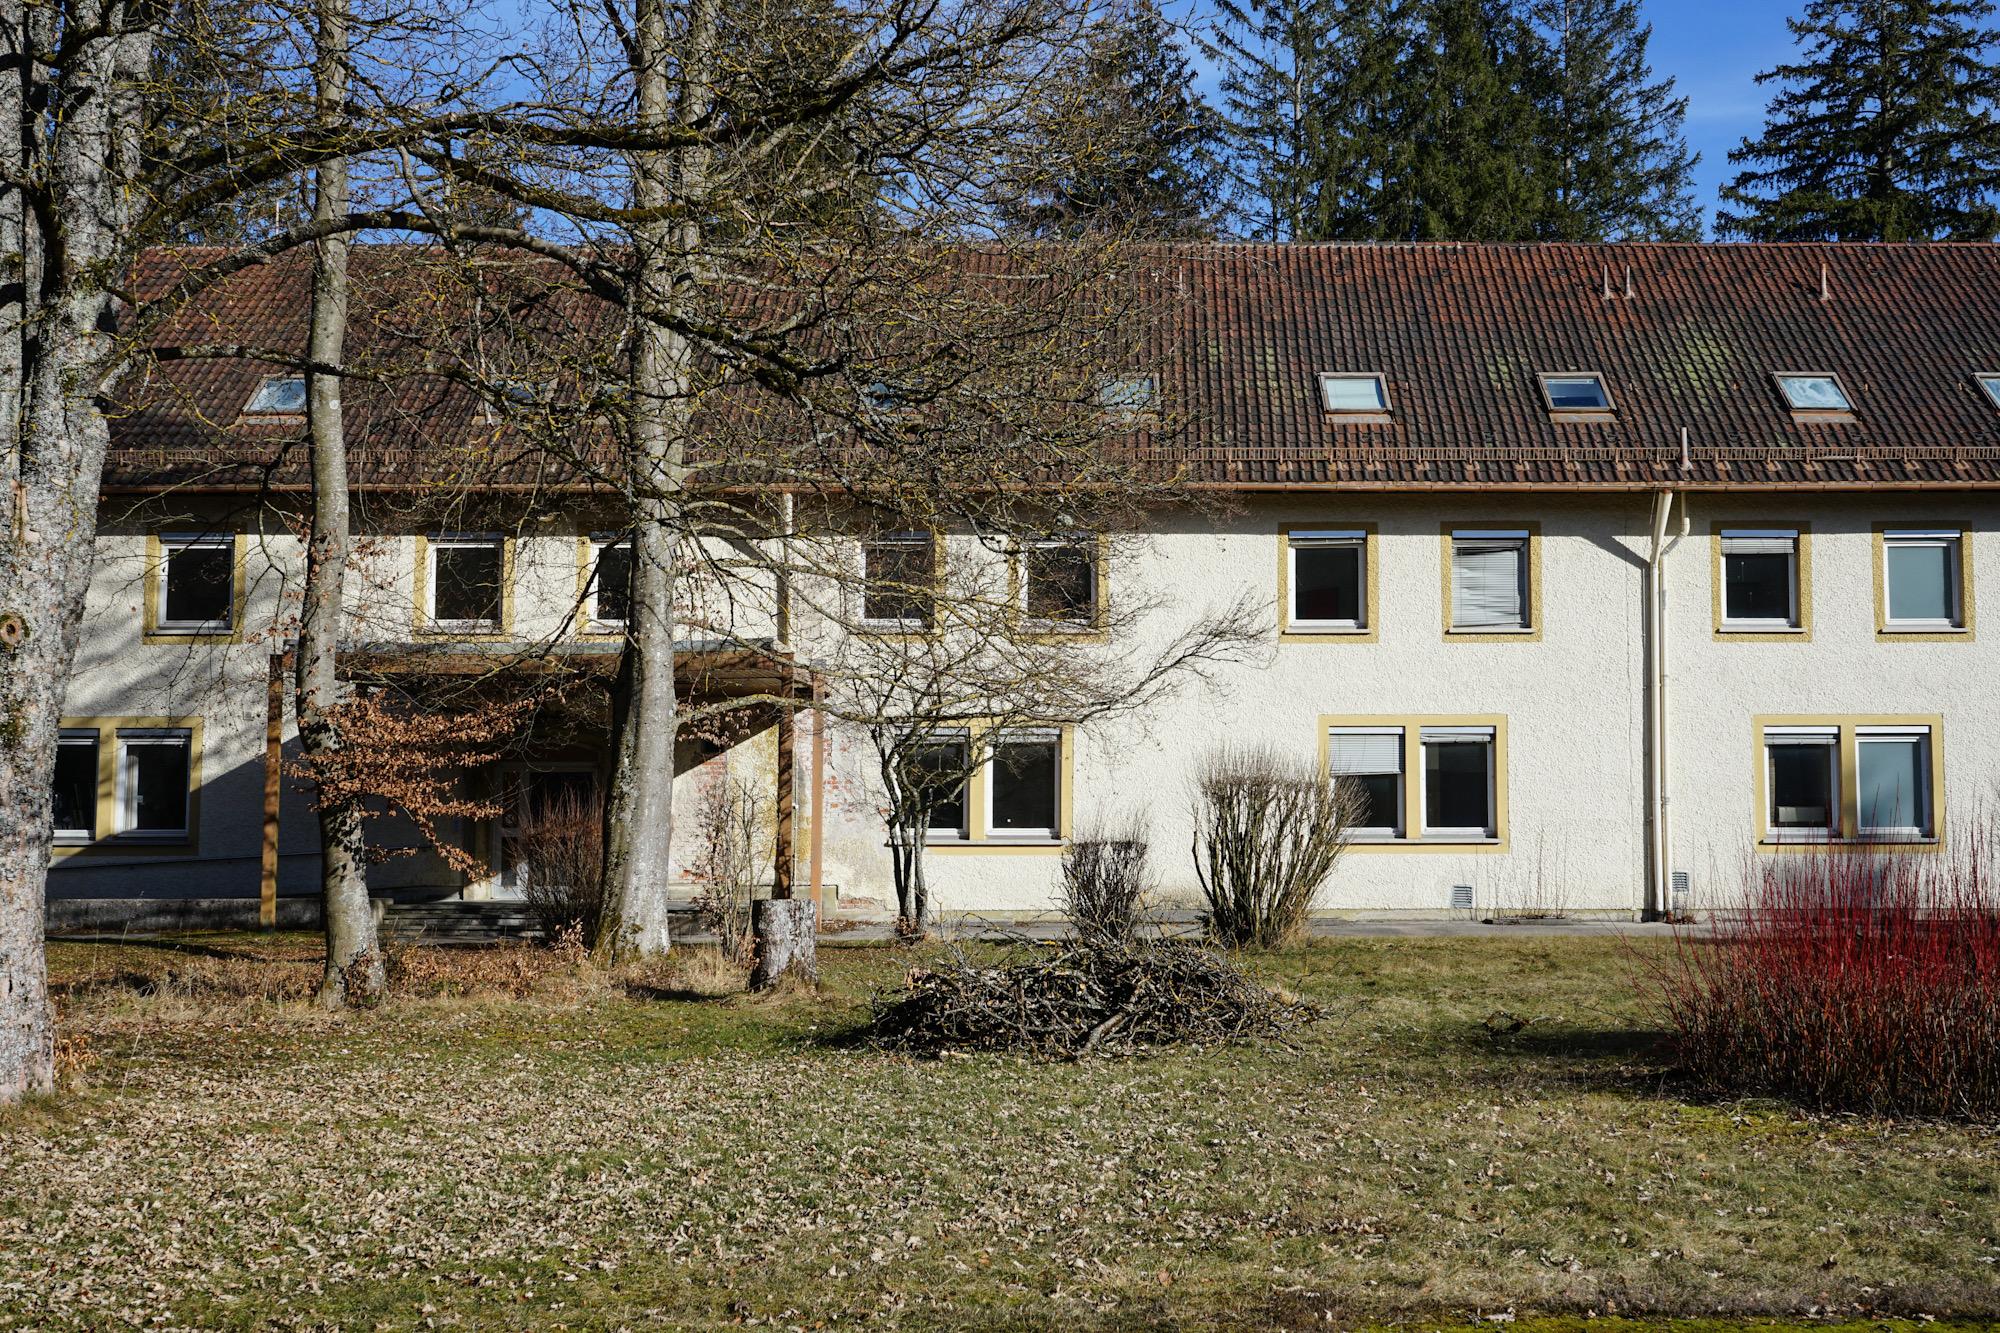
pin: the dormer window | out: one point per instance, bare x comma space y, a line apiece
1817, 392
278, 396
1354, 394
1126, 396
1991, 384
1576, 393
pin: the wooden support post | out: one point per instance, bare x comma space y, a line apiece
818, 795
274, 757
784, 858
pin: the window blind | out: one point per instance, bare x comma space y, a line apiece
1759, 543
1458, 733
1486, 582
1359, 754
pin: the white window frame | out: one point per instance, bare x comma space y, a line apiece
1924, 832
598, 546
1376, 833
172, 543
1784, 377
1087, 546
1321, 539
1989, 384
1518, 538
255, 406
1052, 736
912, 539
1329, 378
126, 786
1548, 377
1818, 737
1459, 735
458, 541
1952, 542
79, 737
1761, 625
962, 830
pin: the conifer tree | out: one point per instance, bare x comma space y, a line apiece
1126, 143
1883, 130
1613, 159
1278, 81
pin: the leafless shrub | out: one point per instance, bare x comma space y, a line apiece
1083, 997
562, 858
1105, 882
726, 825
1268, 831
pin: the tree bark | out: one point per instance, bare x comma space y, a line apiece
57, 437
354, 966
787, 933
674, 86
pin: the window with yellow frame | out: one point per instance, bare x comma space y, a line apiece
194, 587
1327, 583
127, 783
1020, 797
1424, 782
1822, 780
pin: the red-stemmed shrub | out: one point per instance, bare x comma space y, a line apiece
1852, 979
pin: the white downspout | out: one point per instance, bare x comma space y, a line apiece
1660, 822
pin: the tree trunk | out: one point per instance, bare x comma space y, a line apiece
787, 931
354, 967
55, 446
639, 813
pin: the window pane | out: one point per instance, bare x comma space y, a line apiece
157, 771
899, 581
76, 787
200, 584
1455, 788
466, 583
1353, 393
1576, 393
1802, 787
1061, 582
1815, 393
1381, 800
1024, 786
1894, 783
1487, 579
1125, 393
614, 582
1326, 583
935, 772
1919, 581
1757, 587
286, 394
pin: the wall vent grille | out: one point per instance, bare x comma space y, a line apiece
1461, 897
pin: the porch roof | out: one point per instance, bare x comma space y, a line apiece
702, 668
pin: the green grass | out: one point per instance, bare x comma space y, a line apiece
583, 1157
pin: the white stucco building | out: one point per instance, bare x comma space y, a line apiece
1602, 568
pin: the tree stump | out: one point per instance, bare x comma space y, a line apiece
786, 931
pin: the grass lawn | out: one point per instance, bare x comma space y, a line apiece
552, 1150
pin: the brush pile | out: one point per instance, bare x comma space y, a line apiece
1077, 998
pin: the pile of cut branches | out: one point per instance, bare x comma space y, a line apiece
1077, 998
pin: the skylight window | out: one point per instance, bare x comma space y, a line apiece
278, 395
1581, 391
1814, 391
1345, 393
1990, 383
1126, 395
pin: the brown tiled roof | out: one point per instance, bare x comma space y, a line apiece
1686, 336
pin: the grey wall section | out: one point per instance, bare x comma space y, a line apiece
1572, 698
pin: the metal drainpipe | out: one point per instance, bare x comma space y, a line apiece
1660, 825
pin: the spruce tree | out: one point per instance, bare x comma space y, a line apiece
1279, 79
1466, 130
1612, 158
1884, 130
1126, 144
